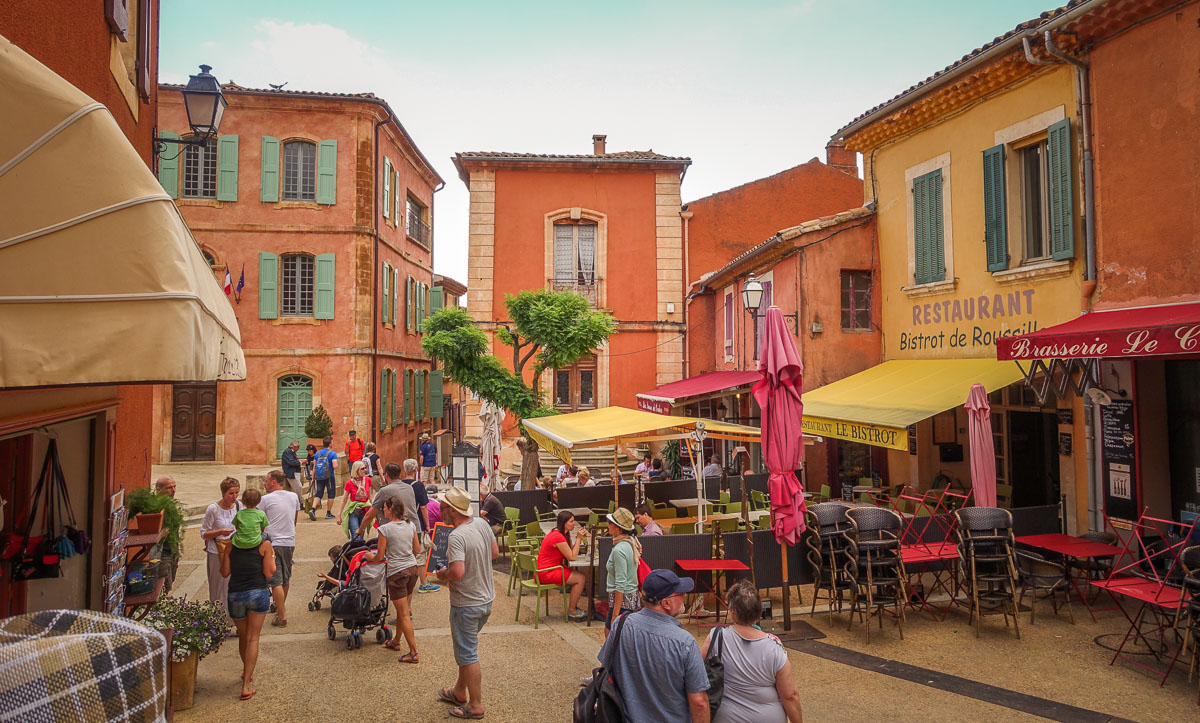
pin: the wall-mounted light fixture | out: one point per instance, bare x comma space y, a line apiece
205, 106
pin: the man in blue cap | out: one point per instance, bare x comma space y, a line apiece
657, 664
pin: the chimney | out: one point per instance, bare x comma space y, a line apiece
836, 156
598, 144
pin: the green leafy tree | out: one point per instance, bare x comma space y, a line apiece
546, 330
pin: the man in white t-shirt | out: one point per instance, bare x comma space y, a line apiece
281, 506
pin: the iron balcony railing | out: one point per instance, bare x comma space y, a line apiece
418, 229
586, 285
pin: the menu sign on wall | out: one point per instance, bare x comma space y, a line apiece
1122, 493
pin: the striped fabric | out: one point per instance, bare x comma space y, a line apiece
81, 665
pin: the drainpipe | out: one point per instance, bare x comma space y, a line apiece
375, 276
686, 215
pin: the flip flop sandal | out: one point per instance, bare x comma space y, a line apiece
460, 711
408, 658
446, 695
247, 696
391, 644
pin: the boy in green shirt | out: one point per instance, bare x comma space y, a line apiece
249, 522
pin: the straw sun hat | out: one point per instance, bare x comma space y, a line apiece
622, 518
457, 498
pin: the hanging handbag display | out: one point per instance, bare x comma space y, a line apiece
38, 558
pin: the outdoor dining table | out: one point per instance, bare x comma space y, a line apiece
577, 511
672, 521
1076, 547
716, 567
756, 515
690, 502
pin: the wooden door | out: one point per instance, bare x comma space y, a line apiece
295, 404
194, 422
575, 386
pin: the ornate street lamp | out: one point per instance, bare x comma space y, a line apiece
205, 106
752, 294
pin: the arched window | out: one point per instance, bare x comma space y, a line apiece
297, 285
299, 171
200, 170
208, 257
575, 254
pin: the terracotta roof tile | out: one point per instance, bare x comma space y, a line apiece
619, 156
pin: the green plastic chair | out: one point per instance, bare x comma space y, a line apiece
612, 505
764, 522
758, 500
516, 546
527, 563
733, 508
826, 493
663, 514
727, 525
682, 528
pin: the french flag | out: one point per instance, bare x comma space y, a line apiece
228, 282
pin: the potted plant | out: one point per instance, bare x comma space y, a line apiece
199, 628
318, 426
144, 506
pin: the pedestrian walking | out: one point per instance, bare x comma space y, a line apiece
399, 540
421, 498
249, 600
216, 530
324, 464
291, 469
282, 508
428, 460
470, 551
355, 448
622, 566
395, 488
371, 460
168, 556
759, 686
657, 666
355, 499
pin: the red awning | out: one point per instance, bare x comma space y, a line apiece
662, 399
1145, 331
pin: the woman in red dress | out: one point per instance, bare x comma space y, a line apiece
556, 550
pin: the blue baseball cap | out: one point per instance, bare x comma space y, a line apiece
660, 584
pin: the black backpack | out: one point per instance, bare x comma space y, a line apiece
600, 701
351, 603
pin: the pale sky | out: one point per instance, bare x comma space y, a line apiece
744, 89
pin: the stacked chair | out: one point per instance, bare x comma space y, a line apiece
1189, 613
826, 543
987, 569
1049, 578
875, 566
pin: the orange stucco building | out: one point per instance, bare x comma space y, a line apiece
606, 225
325, 203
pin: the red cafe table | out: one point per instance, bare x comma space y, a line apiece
716, 567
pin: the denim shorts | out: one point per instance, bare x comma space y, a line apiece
465, 624
249, 601
326, 484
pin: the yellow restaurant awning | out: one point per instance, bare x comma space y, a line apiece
876, 406
101, 281
561, 433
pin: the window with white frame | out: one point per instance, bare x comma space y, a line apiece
729, 304
297, 284
200, 170
299, 171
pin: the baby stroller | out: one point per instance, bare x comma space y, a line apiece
339, 571
362, 603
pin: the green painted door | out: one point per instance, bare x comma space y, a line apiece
295, 403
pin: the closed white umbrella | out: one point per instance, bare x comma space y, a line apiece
491, 416
100, 279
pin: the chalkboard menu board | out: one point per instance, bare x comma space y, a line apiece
1122, 493
438, 551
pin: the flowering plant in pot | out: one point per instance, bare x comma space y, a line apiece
199, 628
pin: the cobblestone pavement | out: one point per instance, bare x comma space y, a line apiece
532, 675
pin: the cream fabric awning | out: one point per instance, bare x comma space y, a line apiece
100, 279
877, 405
561, 433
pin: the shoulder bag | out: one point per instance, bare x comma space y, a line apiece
716, 670
600, 701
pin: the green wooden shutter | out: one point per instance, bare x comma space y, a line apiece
383, 384
419, 376
268, 285
269, 179
408, 401
435, 394
395, 408
995, 210
399, 220
323, 303
928, 243
168, 168
327, 172
435, 300
227, 168
408, 305
1062, 216
395, 295
385, 301
387, 188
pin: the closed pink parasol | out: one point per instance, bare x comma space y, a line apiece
778, 396
983, 455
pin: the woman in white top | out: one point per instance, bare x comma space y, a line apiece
759, 687
399, 545
218, 525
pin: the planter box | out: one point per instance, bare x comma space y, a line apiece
148, 523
